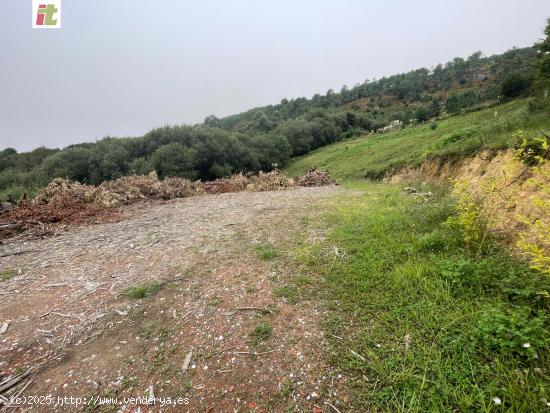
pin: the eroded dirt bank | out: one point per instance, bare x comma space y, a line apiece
509, 190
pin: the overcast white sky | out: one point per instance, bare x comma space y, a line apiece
122, 67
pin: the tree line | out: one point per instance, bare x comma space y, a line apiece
267, 137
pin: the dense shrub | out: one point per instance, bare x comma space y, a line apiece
515, 85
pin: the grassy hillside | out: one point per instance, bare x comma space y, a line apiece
417, 322
373, 155
418, 319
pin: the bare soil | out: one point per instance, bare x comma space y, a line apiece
71, 319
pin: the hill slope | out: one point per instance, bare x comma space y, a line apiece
261, 137
373, 155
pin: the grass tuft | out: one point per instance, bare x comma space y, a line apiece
142, 291
290, 293
261, 333
5, 275
266, 252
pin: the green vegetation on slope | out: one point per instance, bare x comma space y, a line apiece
371, 156
419, 94
434, 327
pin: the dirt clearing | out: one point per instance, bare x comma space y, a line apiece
174, 301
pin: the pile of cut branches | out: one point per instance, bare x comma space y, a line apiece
315, 177
63, 202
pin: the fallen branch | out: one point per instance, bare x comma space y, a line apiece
120, 312
332, 335
9, 226
55, 285
22, 390
335, 409
16, 253
222, 351
262, 309
66, 315
12, 381
72, 301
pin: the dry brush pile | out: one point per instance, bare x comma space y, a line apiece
315, 177
64, 202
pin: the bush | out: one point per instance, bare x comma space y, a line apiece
15, 193
515, 85
469, 220
466, 272
532, 151
440, 239
523, 286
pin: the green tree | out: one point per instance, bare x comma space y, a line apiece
175, 159
515, 85
422, 114
8, 159
542, 82
544, 49
77, 163
139, 166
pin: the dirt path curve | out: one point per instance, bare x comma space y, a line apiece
70, 314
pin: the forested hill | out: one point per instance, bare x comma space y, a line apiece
263, 137
419, 94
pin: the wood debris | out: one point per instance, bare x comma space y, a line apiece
186, 362
359, 356
63, 202
261, 309
4, 327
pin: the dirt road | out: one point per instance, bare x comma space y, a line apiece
203, 294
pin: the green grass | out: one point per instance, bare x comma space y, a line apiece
266, 252
439, 329
261, 333
418, 322
5, 275
142, 291
287, 387
373, 155
289, 292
